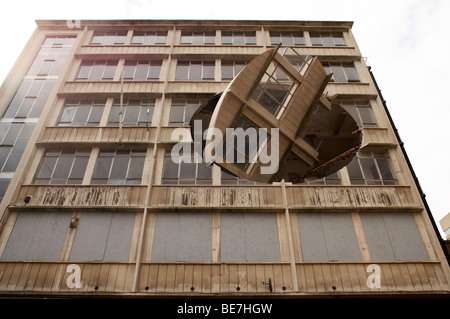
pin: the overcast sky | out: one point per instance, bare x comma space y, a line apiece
405, 41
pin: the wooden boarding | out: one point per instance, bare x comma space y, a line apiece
229, 279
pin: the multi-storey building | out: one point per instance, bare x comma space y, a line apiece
96, 206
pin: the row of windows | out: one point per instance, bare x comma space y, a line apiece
140, 112
104, 70
187, 237
126, 167
328, 39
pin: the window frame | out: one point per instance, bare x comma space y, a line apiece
247, 37
326, 38
114, 157
142, 114
133, 66
58, 155
368, 162
109, 38
105, 66
77, 104
198, 38
276, 37
149, 38
190, 72
344, 70
186, 180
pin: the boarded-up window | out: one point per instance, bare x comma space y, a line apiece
182, 237
37, 236
249, 237
103, 237
328, 237
393, 236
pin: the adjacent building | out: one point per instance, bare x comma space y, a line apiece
93, 204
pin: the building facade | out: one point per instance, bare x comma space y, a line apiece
445, 225
92, 203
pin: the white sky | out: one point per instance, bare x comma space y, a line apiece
395, 36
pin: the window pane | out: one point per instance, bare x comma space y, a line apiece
327, 41
136, 166
4, 153
177, 113
79, 167
103, 167
96, 114
155, 70
131, 113
385, 170
195, 70
119, 168
68, 114
12, 134
354, 171
315, 39
83, 74
299, 40
338, 73
182, 70
62, 168
170, 168
81, 114
110, 69
366, 115
227, 71
141, 71
46, 169
351, 73
187, 170
208, 71
369, 168
204, 171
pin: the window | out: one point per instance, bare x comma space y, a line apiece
230, 179
274, 90
149, 37
371, 168
195, 71
185, 173
109, 38
62, 167
13, 141
333, 179
342, 72
239, 38
30, 99
182, 237
249, 237
198, 38
328, 237
37, 236
393, 236
231, 68
51, 57
81, 113
142, 70
181, 111
135, 113
327, 39
103, 236
119, 167
97, 70
4, 183
287, 38
361, 112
